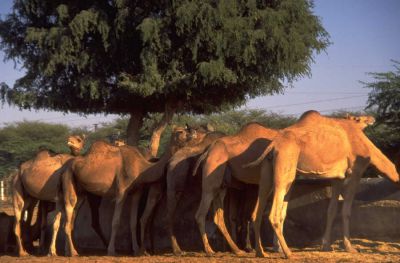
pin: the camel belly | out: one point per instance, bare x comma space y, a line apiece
96, 181
42, 186
320, 170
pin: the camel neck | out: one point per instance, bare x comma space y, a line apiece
155, 171
75, 151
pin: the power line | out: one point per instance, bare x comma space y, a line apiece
315, 101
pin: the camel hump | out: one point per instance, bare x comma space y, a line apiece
102, 147
310, 115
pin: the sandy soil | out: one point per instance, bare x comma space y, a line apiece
370, 251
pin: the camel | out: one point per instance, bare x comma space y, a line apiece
37, 179
229, 152
111, 171
320, 147
184, 157
177, 176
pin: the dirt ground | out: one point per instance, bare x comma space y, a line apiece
370, 251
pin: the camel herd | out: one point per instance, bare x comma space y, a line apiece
315, 146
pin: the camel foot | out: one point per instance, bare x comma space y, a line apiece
52, 254
248, 249
112, 253
22, 253
326, 248
288, 255
178, 252
239, 253
260, 254
351, 250
142, 252
71, 254
210, 252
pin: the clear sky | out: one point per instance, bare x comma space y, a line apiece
365, 36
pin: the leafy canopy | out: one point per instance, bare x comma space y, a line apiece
385, 96
116, 56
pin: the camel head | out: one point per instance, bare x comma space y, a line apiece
197, 134
76, 143
119, 142
362, 121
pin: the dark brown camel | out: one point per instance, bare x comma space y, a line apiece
201, 137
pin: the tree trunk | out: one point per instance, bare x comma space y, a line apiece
134, 125
158, 130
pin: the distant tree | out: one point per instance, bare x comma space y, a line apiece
20, 142
384, 97
139, 57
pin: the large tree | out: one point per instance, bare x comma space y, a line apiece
138, 57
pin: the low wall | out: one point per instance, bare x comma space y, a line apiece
375, 215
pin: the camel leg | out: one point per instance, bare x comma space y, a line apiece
70, 199
284, 175
213, 174
331, 214
94, 204
153, 198
248, 247
56, 218
19, 207
206, 199
42, 214
348, 196
277, 246
119, 202
220, 222
233, 214
173, 199
28, 230
133, 219
264, 190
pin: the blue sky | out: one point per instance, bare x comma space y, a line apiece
365, 36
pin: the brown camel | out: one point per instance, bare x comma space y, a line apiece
229, 152
200, 138
177, 176
320, 147
37, 179
111, 171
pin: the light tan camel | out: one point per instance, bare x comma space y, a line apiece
320, 147
37, 179
110, 171
200, 138
229, 152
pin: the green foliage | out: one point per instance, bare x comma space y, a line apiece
20, 141
384, 97
115, 56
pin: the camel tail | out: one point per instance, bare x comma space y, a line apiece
200, 160
262, 156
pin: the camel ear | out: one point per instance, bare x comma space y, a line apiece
187, 127
210, 127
